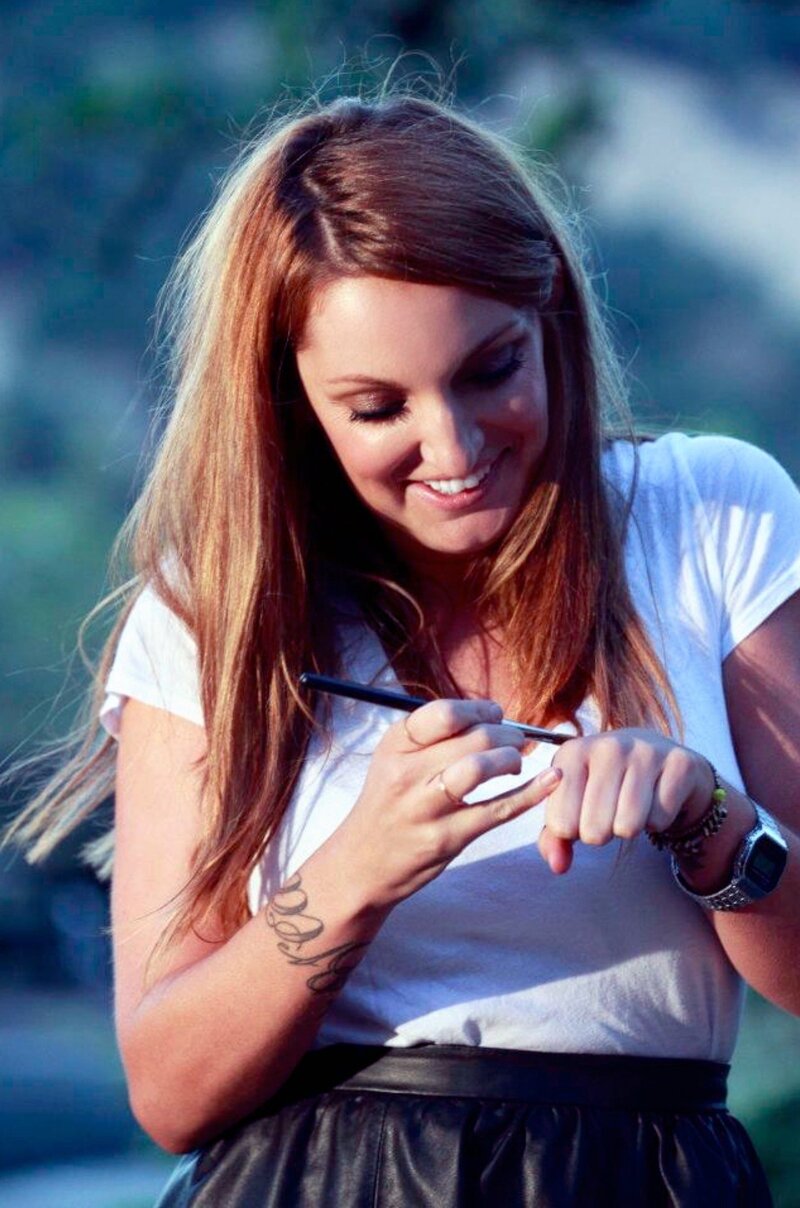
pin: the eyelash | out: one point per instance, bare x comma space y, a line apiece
485, 380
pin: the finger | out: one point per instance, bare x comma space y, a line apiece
475, 740
475, 820
441, 719
635, 801
564, 805
600, 795
459, 779
557, 853
672, 790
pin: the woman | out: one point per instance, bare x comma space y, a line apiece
344, 974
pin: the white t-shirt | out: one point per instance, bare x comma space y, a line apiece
496, 951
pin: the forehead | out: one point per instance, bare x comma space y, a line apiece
380, 322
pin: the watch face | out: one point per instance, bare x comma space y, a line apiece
765, 864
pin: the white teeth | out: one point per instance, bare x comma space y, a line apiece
452, 486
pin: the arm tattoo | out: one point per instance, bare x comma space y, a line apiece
287, 916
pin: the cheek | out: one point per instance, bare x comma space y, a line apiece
538, 413
366, 458
527, 415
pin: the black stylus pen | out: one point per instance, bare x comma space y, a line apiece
401, 700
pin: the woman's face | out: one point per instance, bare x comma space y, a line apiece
435, 403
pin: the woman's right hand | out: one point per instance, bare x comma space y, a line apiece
230, 1013
410, 819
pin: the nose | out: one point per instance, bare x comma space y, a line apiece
451, 440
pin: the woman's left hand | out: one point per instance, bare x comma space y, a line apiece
617, 784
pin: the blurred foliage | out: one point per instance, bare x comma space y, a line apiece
704, 349
114, 130
117, 121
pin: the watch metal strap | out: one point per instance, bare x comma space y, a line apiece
735, 895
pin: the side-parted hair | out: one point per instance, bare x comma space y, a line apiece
248, 529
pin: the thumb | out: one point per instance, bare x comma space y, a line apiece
555, 852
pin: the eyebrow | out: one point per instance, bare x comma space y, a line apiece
365, 379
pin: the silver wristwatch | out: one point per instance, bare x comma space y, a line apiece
757, 869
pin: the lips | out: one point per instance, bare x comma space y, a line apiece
458, 492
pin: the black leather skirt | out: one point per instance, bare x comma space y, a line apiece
451, 1126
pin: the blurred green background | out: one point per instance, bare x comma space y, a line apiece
677, 128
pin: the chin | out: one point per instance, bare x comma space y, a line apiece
457, 551
429, 546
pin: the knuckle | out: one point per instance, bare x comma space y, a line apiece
568, 752
672, 789
608, 748
434, 712
431, 843
506, 808
561, 828
572, 754
640, 754
680, 762
509, 759
482, 738
595, 834
439, 712
473, 766
447, 711
670, 798
395, 778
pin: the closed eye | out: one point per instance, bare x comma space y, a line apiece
496, 375
495, 372
391, 413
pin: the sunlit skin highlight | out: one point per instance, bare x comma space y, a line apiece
416, 384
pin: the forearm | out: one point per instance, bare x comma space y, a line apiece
762, 940
219, 1033
212, 1041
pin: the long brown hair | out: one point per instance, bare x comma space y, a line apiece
239, 527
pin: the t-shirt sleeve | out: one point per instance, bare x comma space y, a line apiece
155, 662
751, 509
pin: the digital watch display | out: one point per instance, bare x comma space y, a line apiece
757, 869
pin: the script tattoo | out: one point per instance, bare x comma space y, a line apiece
287, 916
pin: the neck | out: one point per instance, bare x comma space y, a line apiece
443, 587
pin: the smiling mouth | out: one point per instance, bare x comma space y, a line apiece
456, 486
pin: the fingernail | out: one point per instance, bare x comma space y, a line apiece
548, 776
493, 710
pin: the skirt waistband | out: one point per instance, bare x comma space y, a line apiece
588, 1079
